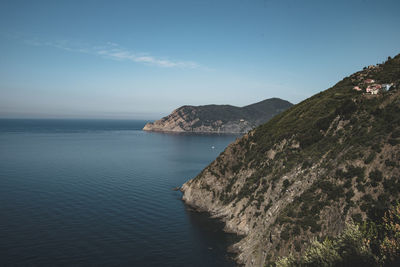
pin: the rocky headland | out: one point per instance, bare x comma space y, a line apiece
218, 118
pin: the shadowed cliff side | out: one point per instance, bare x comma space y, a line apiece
331, 159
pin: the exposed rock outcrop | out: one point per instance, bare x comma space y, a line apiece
332, 159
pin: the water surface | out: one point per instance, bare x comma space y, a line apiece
99, 193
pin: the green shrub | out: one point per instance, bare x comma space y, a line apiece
285, 185
390, 163
376, 177
393, 141
370, 158
296, 230
357, 218
392, 185
347, 249
347, 108
285, 234
349, 195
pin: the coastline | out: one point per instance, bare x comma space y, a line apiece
234, 246
194, 132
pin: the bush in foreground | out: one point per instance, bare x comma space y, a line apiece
369, 244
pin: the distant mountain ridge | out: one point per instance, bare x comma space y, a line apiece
219, 118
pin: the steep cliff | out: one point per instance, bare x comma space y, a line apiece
219, 118
331, 159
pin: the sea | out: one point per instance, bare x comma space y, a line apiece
100, 193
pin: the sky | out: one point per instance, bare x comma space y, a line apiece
142, 59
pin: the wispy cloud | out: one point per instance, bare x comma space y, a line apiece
116, 52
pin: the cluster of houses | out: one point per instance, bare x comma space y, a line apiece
372, 87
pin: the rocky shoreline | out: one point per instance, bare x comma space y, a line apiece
233, 248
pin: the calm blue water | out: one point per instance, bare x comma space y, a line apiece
98, 192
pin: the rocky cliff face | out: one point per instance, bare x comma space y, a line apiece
218, 118
332, 159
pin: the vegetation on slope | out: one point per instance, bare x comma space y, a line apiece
372, 243
220, 118
327, 161
258, 112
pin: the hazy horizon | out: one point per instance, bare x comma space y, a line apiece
96, 115
143, 59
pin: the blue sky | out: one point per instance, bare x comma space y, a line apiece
142, 59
